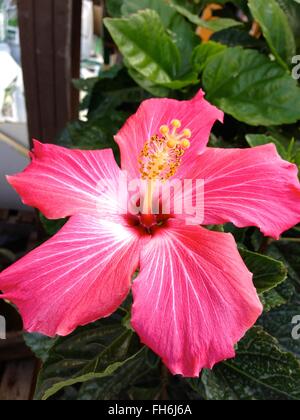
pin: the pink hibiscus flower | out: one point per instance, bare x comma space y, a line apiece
193, 297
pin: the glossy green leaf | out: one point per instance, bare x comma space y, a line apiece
292, 11
251, 88
180, 31
238, 36
162, 8
276, 29
146, 46
186, 80
155, 90
260, 371
91, 352
205, 52
214, 25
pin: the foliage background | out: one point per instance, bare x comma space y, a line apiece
250, 79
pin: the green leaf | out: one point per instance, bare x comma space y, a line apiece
214, 25
146, 46
96, 133
39, 344
155, 90
287, 150
268, 273
114, 7
277, 297
289, 254
51, 226
292, 10
271, 299
278, 323
251, 88
297, 158
276, 29
113, 92
261, 139
205, 52
162, 8
186, 80
238, 36
91, 352
185, 39
180, 31
110, 387
260, 371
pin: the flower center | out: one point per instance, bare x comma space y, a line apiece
162, 154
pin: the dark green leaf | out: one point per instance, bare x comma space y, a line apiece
91, 352
238, 36
248, 86
51, 226
114, 7
113, 92
146, 46
39, 344
178, 28
155, 90
186, 80
278, 323
162, 8
110, 387
276, 29
205, 52
214, 25
268, 273
292, 10
289, 254
277, 297
97, 133
260, 371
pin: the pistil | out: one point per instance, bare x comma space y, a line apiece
161, 157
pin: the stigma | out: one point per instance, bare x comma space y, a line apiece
162, 153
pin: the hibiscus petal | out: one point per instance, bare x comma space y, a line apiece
249, 187
194, 298
197, 114
62, 182
78, 276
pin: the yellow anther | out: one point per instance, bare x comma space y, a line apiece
171, 143
164, 129
176, 123
162, 153
187, 133
185, 143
